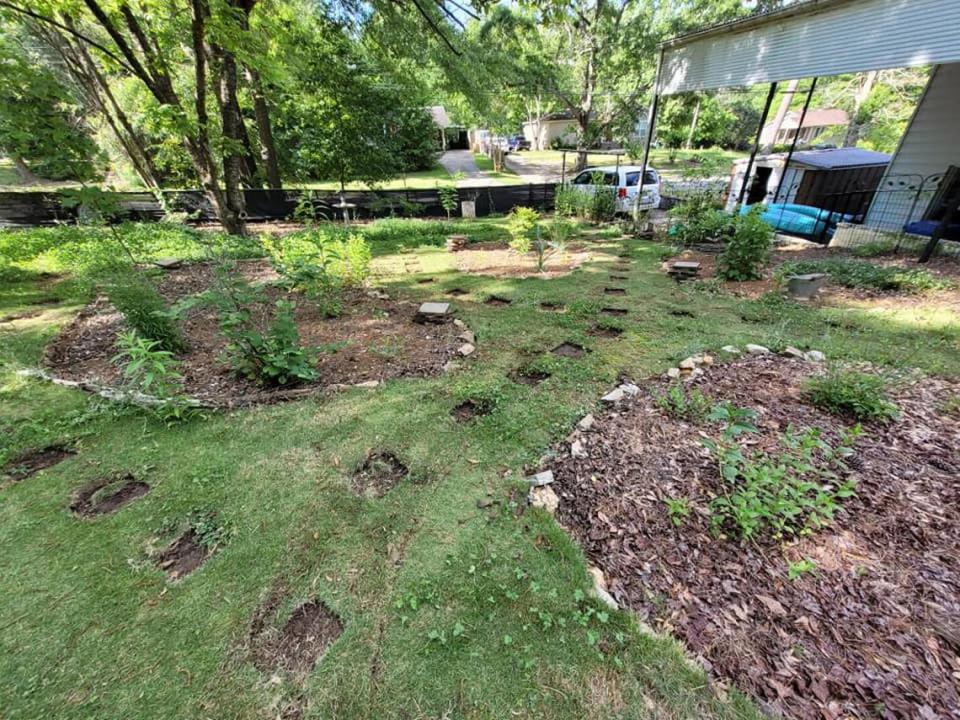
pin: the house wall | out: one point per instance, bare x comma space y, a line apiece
816, 38
930, 144
540, 133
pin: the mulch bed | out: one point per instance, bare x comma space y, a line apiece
873, 632
374, 339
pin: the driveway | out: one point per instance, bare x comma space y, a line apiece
461, 161
534, 171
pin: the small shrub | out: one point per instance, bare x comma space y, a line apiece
690, 405
521, 223
699, 219
800, 568
276, 357
568, 201
748, 249
144, 310
792, 492
150, 370
449, 199
857, 394
603, 201
860, 274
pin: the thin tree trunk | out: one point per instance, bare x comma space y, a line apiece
231, 123
856, 125
24, 173
268, 149
693, 125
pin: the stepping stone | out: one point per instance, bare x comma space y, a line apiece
168, 263
541, 478
684, 270
433, 312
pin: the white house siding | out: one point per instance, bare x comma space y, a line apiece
930, 144
812, 39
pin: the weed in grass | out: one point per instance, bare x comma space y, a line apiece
855, 394
859, 274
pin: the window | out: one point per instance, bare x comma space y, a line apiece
584, 178
649, 178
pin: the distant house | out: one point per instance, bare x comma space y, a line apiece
818, 126
452, 137
542, 132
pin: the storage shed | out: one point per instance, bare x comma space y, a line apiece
813, 177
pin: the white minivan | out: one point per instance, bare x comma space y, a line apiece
626, 179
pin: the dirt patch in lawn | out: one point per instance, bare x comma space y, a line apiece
378, 474
107, 495
469, 410
495, 301
296, 647
569, 350
552, 307
24, 465
614, 291
498, 260
529, 377
457, 292
605, 332
871, 632
616, 312
374, 339
183, 555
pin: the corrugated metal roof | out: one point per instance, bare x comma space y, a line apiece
840, 157
813, 39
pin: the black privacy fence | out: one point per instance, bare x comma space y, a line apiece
24, 209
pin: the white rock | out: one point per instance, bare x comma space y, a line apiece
596, 574
614, 396
688, 364
815, 356
468, 337
541, 478
600, 588
544, 497
577, 450
368, 384
586, 422
731, 349
792, 352
707, 360
434, 308
459, 323
694, 374
630, 389
757, 349
466, 349
673, 373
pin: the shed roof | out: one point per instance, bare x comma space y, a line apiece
829, 158
816, 118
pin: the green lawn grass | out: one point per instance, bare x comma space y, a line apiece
668, 162
450, 610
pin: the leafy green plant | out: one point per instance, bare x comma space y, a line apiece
449, 199
691, 405
861, 274
792, 492
678, 509
800, 568
520, 224
568, 201
150, 370
748, 249
848, 392
699, 219
874, 249
603, 201
144, 309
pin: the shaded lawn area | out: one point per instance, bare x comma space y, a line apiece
670, 163
454, 603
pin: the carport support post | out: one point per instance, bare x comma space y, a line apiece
796, 136
756, 144
651, 124
563, 169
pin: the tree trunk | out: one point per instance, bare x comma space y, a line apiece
856, 122
693, 125
232, 126
779, 117
268, 150
24, 173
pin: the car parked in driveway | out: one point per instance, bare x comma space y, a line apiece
516, 143
626, 180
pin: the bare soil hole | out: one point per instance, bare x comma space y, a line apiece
620, 312
424, 281
552, 307
605, 332
457, 292
498, 301
529, 377
183, 556
569, 350
310, 630
29, 463
681, 313
619, 277
614, 291
378, 474
469, 410
107, 495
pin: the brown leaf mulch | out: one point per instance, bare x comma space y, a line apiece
374, 339
873, 632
